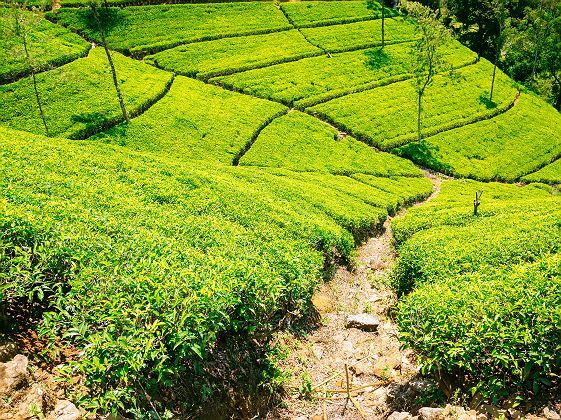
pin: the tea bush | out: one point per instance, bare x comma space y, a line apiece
321, 13
300, 142
481, 313
550, 174
387, 116
49, 46
168, 255
231, 55
354, 36
196, 121
310, 81
505, 148
79, 98
144, 30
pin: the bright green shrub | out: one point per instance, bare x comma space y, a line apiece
484, 289
79, 99
144, 30
354, 36
550, 174
497, 330
503, 148
321, 13
168, 255
49, 46
310, 81
387, 116
300, 142
230, 55
196, 121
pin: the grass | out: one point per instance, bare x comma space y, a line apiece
310, 81
300, 142
320, 13
142, 30
49, 46
353, 36
79, 98
483, 276
196, 121
387, 116
550, 174
230, 55
155, 257
505, 148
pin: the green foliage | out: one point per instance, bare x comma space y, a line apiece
300, 142
484, 289
505, 148
143, 30
168, 254
49, 45
230, 55
313, 80
196, 121
339, 38
79, 98
394, 123
550, 174
322, 13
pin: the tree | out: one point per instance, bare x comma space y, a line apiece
23, 21
427, 51
99, 18
500, 13
373, 5
550, 52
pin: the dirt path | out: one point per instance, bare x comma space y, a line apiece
374, 359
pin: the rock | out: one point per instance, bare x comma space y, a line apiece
316, 417
429, 413
65, 410
8, 351
31, 403
550, 414
364, 322
396, 415
347, 346
318, 352
515, 414
322, 303
493, 411
13, 375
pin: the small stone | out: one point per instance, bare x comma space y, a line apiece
396, 415
550, 414
65, 410
347, 346
430, 413
318, 352
13, 375
515, 414
492, 410
8, 351
322, 303
364, 322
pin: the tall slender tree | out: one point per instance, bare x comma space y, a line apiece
23, 21
373, 5
501, 13
427, 52
100, 17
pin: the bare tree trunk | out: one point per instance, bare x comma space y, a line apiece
383, 23
110, 60
30, 64
536, 53
419, 109
494, 72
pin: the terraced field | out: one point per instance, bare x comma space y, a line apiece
219, 208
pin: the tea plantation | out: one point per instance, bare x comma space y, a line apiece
266, 142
